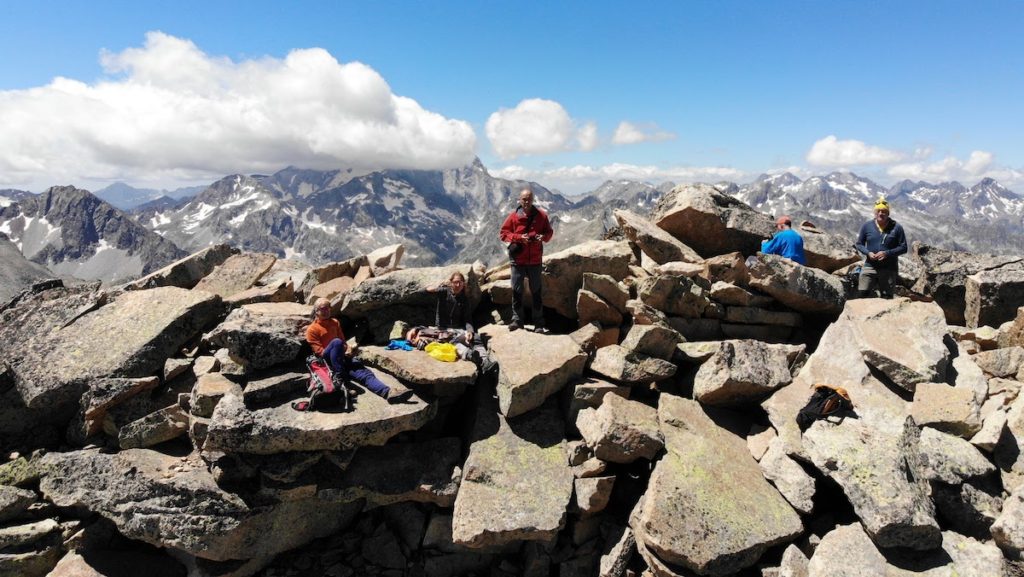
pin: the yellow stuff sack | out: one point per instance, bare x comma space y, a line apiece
442, 351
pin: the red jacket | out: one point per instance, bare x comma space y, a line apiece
515, 227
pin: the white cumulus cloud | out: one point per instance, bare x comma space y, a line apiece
583, 178
537, 126
587, 137
832, 152
977, 165
629, 133
170, 112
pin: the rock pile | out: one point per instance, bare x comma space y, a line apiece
149, 427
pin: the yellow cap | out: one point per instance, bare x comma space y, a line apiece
882, 203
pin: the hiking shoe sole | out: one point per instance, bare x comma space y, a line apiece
401, 397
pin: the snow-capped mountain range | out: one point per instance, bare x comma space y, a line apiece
450, 216
73, 233
986, 217
321, 216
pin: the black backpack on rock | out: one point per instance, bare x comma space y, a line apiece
826, 400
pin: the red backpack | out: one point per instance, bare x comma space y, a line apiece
321, 385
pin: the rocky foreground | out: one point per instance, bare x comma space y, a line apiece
147, 428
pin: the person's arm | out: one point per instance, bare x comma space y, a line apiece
862, 239
437, 309
901, 242
313, 334
508, 228
546, 232
770, 246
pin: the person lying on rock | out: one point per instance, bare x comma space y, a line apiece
327, 341
453, 323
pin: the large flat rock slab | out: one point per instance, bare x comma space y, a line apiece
236, 274
827, 251
401, 295
742, 372
944, 275
563, 271
516, 483
882, 475
532, 366
425, 373
837, 361
846, 551
690, 517
992, 297
904, 339
661, 246
132, 335
801, 288
186, 272
174, 502
620, 430
407, 288
262, 335
622, 365
710, 222
236, 428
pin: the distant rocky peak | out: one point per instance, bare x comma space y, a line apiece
231, 189
992, 186
780, 179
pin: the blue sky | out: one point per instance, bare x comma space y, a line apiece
568, 94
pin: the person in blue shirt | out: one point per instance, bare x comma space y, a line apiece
786, 242
881, 241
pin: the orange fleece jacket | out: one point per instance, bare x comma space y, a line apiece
321, 333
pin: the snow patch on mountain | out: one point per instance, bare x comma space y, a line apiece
107, 263
159, 220
37, 233
194, 219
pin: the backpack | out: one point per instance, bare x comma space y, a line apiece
322, 386
428, 335
850, 281
826, 400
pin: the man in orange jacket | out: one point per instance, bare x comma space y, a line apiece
527, 228
327, 340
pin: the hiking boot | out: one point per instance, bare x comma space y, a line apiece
542, 331
487, 365
397, 395
515, 326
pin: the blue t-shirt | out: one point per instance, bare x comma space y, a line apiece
787, 243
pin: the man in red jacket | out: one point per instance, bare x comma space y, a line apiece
528, 228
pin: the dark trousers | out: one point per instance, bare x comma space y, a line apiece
354, 369
521, 273
884, 279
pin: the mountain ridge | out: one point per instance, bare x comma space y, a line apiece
454, 215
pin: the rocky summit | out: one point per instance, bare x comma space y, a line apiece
149, 428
